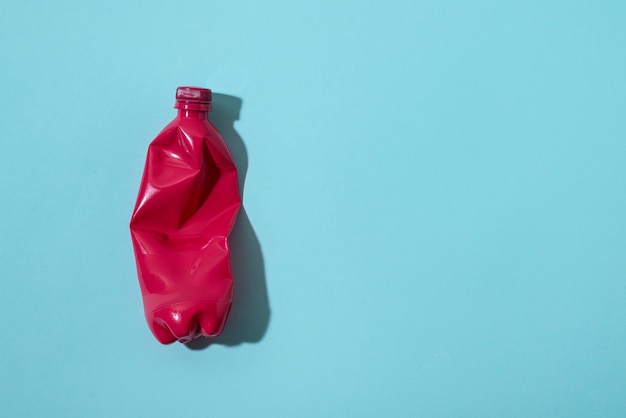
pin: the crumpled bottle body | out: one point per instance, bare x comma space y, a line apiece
186, 207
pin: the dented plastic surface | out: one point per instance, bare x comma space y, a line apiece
186, 207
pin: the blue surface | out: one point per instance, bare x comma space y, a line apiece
436, 195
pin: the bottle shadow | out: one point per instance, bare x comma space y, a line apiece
250, 312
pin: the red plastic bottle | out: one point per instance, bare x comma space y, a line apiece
187, 204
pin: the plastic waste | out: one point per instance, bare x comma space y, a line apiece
186, 207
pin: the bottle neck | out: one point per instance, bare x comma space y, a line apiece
193, 110
193, 114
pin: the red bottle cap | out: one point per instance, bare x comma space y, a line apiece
193, 98
193, 94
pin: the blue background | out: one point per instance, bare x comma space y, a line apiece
435, 199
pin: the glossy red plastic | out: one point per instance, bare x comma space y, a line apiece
186, 207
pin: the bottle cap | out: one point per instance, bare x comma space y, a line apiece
193, 98
193, 94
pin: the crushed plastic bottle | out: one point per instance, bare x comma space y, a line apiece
187, 204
